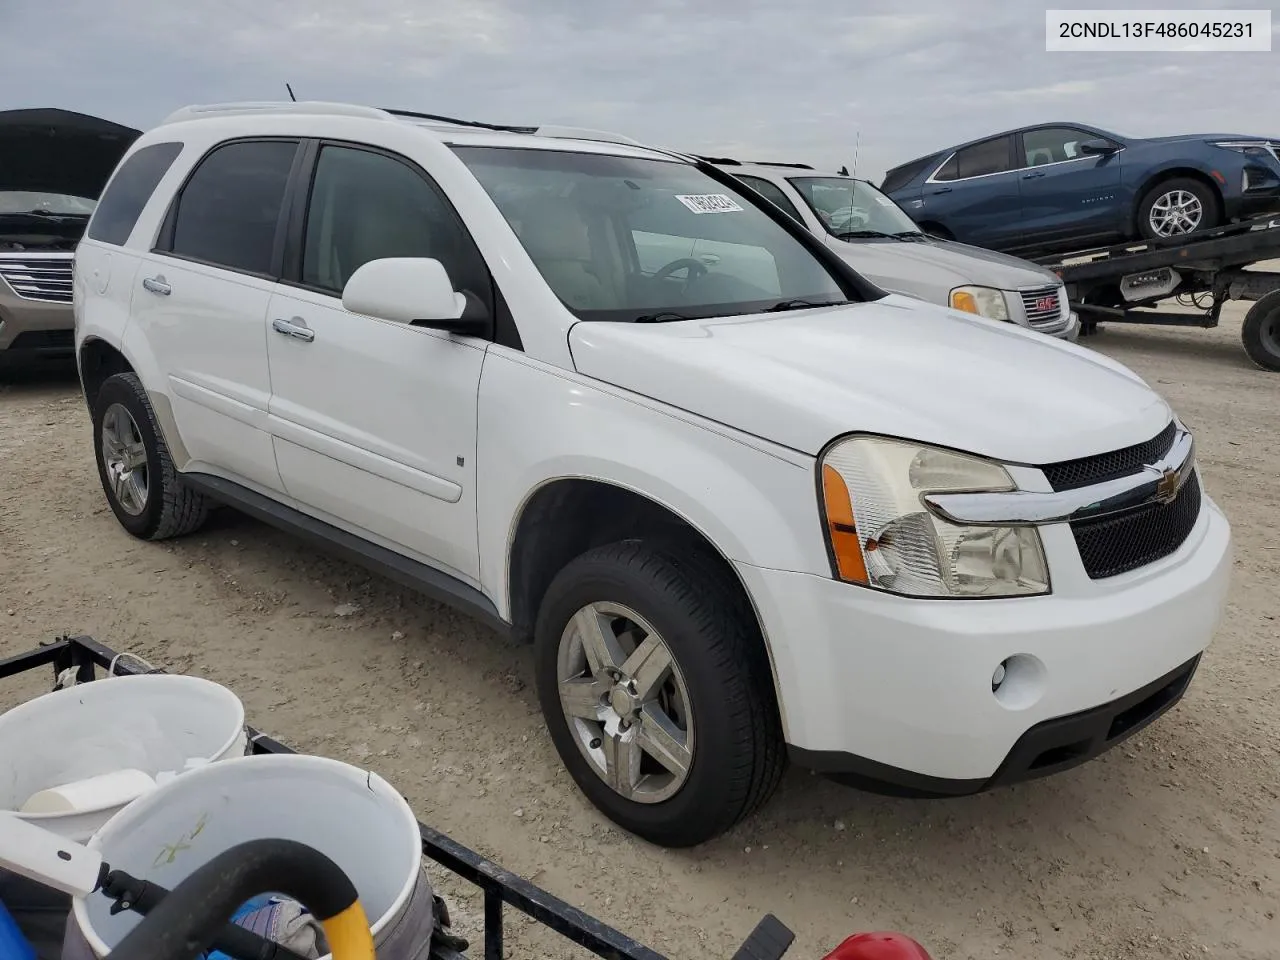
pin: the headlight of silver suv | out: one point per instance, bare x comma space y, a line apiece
880, 534
984, 301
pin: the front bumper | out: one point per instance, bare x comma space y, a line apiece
34, 330
897, 693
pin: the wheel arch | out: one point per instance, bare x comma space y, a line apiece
97, 358
1179, 172
565, 516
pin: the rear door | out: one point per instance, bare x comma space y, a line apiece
1067, 194
975, 195
201, 301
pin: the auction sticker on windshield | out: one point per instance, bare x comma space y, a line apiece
708, 202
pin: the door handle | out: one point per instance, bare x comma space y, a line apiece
296, 328
156, 285
1033, 176
941, 190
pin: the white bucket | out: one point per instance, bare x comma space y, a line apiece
352, 816
151, 722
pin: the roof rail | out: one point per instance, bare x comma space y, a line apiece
773, 163
304, 107
585, 133
454, 121
723, 161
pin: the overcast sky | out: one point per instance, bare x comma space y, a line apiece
790, 80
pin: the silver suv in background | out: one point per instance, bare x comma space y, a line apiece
53, 166
877, 238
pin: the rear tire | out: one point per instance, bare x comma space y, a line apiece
1260, 332
719, 695
145, 491
1179, 208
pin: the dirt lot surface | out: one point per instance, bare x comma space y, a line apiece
1167, 847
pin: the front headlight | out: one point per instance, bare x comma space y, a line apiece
881, 535
984, 301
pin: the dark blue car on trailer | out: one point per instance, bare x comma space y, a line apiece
1059, 186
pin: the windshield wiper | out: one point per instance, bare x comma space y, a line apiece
858, 234
912, 236
802, 305
665, 317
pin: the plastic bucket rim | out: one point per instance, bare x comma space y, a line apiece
122, 818
169, 678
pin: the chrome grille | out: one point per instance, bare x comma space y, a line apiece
1043, 308
38, 276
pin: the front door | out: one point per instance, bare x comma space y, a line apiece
374, 422
1066, 194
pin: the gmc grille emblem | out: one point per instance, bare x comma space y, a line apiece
1045, 304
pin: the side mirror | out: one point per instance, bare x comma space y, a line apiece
412, 290
1099, 147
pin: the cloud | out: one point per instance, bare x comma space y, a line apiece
803, 80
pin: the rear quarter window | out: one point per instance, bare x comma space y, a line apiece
129, 191
899, 177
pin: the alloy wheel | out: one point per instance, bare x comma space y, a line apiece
626, 702
125, 458
1175, 213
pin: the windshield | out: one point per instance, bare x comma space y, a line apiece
57, 204
853, 206
634, 239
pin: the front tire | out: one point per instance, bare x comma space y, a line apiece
145, 491
1178, 208
1260, 332
657, 692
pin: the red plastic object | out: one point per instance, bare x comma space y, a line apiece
879, 946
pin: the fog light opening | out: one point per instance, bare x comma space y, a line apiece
1019, 681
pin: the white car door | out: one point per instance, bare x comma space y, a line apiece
201, 302
374, 422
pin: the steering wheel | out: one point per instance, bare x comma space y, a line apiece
696, 269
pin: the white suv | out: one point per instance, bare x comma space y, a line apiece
746, 510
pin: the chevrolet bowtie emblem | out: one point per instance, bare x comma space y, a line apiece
1168, 485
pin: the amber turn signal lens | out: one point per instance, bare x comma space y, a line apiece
841, 529
964, 300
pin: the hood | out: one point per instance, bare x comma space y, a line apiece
57, 151
895, 366
932, 268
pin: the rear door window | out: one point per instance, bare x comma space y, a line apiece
228, 214
987, 157
129, 191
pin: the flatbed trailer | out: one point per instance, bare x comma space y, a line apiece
74, 659
1125, 283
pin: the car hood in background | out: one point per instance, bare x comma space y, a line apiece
894, 366
932, 268
58, 151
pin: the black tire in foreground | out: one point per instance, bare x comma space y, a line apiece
145, 491
1260, 332
1173, 196
680, 669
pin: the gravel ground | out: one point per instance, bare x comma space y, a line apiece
1167, 847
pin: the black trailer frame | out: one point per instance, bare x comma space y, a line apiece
1124, 283
769, 941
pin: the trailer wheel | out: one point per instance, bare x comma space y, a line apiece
1176, 208
1261, 332
657, 692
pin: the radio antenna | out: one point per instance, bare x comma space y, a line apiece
290, 89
